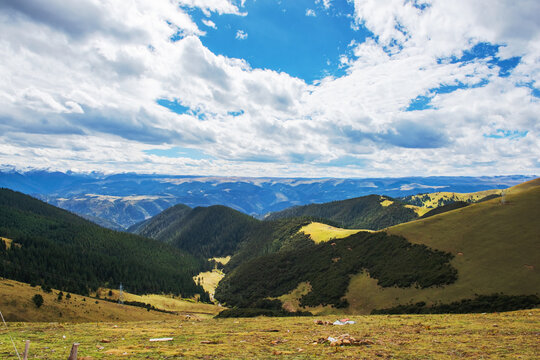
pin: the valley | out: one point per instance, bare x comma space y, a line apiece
437, 252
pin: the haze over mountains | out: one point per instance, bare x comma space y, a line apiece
122, 200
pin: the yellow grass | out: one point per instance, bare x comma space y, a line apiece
386, 202
16, 305
511, 335
222, 260
165, 302
209, 280
434, 198
319, 232
496, 249
7, 241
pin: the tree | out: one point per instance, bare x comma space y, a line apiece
38, 300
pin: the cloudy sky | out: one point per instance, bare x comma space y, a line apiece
312, 88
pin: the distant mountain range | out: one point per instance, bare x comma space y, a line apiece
122, 200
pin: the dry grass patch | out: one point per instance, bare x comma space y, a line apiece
511, 335
319, 232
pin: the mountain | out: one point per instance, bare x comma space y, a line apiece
126, 199
372, 212
213, 231
42, 244
464, 258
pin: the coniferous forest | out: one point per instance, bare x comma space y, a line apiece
53, 247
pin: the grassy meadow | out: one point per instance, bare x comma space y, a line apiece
512, 335
16, 305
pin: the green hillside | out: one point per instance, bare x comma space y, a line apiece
496, 248
208, 232
371, 212
52, 247
468, 255
328, 266
444, 208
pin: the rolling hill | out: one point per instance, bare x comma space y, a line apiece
489, 247
45, 245
372, 212
208, 232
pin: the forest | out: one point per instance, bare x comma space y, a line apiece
58, 249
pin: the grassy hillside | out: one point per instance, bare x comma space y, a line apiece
372, 212
53, 247
16, 305
426, 202
496, 248
213, 231
327, 267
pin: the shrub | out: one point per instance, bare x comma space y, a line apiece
38, 300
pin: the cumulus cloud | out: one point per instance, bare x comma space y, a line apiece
81, 83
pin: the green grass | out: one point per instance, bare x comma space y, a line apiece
496, 249
512, 335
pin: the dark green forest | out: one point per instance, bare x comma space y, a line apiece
56, 248
207, 232
480, 304
359, 213
390, 259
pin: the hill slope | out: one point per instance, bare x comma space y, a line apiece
492, 247
54, 247
496, 248
372, 212
212, 231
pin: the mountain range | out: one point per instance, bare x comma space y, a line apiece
122, 200
374, 253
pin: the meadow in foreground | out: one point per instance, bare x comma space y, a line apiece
512, 335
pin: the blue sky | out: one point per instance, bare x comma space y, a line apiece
281, 37
310, 88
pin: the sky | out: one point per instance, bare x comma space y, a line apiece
303, 88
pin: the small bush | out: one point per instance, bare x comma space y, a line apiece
38, 300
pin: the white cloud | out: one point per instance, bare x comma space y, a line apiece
91, 72
217, 6
241, 35
310, 12
325, 3
209, 23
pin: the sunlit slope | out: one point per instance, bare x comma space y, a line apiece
319, 232
16, 305
496, 248
422, 203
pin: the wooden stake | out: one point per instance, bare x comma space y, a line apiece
26, 348
73, 355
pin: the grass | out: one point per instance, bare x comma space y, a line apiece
8, 242
512, 335
16, 305
319, 232
431, 201
209, 280
222, 260
386, 202
496, 249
